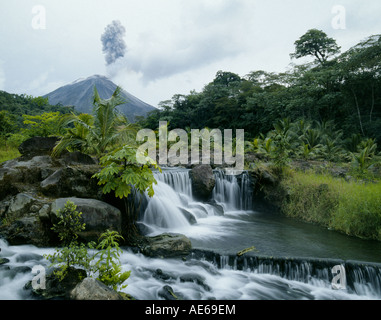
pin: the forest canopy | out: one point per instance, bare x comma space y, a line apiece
343, 88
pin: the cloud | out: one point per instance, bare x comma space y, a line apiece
209, 34
113, 44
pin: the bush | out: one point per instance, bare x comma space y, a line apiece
310, 198
359, 210
103, 263
353, 208
108, 266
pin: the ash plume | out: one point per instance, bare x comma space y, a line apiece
114, 46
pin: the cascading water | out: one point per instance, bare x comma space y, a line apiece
233, 192
174, 209
218, 230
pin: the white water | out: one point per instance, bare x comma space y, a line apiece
173, 203
221, 284
165, 213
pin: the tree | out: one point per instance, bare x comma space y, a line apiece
7, 124
123, 174
44, 125
361, 69
105, 130
316, 43
77, 137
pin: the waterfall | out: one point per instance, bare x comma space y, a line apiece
233, 192
214, 272
362, 279
173, 207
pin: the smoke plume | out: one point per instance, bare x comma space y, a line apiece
114, 46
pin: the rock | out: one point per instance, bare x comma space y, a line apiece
56, 288
13, 272
27, 230
77, 158
159, 274
3, 261
20, 205
92, 289
167, 293
203, 182
196, 278
217, 208
97, 215
167, 245
189, 216
38, 146
268, 178
43, 214
204, 265
56, 184
18, 176
4, 205
28, 257
7, 178
70, 182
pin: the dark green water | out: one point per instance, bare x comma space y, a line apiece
275, 235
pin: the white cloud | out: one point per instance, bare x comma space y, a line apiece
43, 84
195, 39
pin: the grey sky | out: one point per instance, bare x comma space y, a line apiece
173, 46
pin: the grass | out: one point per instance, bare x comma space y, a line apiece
351, 207
8, 153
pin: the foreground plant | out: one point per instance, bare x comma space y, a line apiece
101, 261
72, 254
108, 265
100, 132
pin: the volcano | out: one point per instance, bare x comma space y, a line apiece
80, 94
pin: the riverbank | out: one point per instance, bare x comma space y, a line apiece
328, 197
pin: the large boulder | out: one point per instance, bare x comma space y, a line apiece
31, 183
21, 220
203, 182
27, 230
77, 158
167, 246
97, 215
57, 288
17, 176
92, 289
70, 182
38, 146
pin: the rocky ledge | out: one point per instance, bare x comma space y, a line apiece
35, 186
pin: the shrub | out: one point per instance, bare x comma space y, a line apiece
103, 262
353, 208
72, 254
310, 198
108, 266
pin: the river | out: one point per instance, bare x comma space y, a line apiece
291, 260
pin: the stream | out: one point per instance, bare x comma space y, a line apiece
292, 260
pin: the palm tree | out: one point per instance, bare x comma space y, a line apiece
105, 130
75, 138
